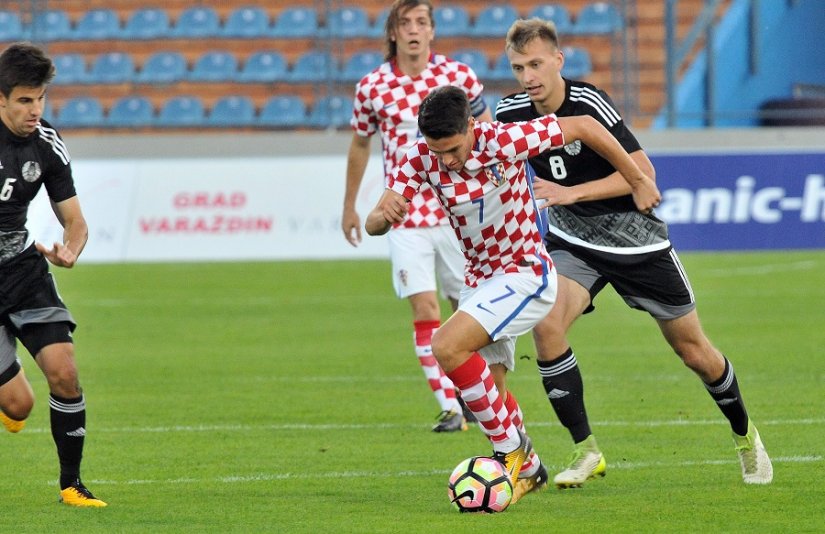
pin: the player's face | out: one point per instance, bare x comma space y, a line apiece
453, 151
22, 109
538, 69
414, 32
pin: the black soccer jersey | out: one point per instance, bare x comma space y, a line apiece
607, 224
26, 163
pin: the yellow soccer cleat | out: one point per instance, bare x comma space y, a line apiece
12, 425
513, 460
586, 463
526, 485
78, 495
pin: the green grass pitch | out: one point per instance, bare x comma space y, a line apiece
285, 397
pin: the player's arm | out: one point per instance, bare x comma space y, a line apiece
357, 159
390, 209
75, 234
588, 130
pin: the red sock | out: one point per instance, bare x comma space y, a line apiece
441, 386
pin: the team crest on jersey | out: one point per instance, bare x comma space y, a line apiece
402, 276
31, 171
495, 173
573, 148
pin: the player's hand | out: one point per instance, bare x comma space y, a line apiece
351, 225
394, 209
646, 195
552, 194
60, 254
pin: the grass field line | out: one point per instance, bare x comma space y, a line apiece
267, 477
767, 268
383, 426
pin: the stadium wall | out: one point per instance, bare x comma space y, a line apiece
278, 196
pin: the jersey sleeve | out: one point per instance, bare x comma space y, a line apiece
363, 121
57, 175
522, 140
604, 111
473, 88
407, 178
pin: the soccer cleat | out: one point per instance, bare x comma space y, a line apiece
586, 462
469, 416
513, 460
78, 495
756, 465
525, 485
12, 425
450, 421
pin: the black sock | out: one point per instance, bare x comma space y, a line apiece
565, 391
725, 392
68, 418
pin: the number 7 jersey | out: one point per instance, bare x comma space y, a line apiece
489, 202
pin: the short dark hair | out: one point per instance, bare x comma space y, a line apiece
444, 112
398, 7
24, 65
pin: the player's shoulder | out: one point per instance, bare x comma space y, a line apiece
48, 139
515, 107
380, 73
587, 99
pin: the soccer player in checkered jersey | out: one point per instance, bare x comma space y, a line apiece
596, 237
32, 155
478, 171
423, 251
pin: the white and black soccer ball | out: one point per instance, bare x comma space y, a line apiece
480, 484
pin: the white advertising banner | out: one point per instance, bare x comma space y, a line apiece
215, 209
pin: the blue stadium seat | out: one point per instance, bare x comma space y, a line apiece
163, 67
264, 66
556, 13
214, 66
493, 20
232, 111
181, 111
283, 111
314, 66
11, 28
376, 30
131, 112
451, 21
501, 69
70, 69
577, 63
348, 22
51, 25
97, 24
147, 23
197, 22
332, 111
598, 18
80, 112
491, 99
296, 22
112, 67
249, 21
474, 58
359, 64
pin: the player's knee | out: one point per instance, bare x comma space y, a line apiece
19, 407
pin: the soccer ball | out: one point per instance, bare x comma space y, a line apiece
480, 484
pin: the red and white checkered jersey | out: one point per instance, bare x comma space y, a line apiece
387, 101
489, 202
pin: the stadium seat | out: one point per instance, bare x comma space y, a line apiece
147, 23
51, 25
348, 22
332, 111
250, 22
283, 111
376, 30
232, 111
131, 112
474, 58
451, 21
80, 112
112, 67
577, 63
197, 22
11, 28
296, 22
163, 67
598, 18
181, 111
70, 69
214, 66
493, 21
97, 24
359, 64
501, 69
314, 66
264, 66
556, 13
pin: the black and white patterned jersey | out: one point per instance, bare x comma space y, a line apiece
612, 225
26, 164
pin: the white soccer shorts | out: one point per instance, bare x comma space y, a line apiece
422, 256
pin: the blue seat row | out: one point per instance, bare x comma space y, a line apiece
281, 111
291, 22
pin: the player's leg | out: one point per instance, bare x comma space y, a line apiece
16, 395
